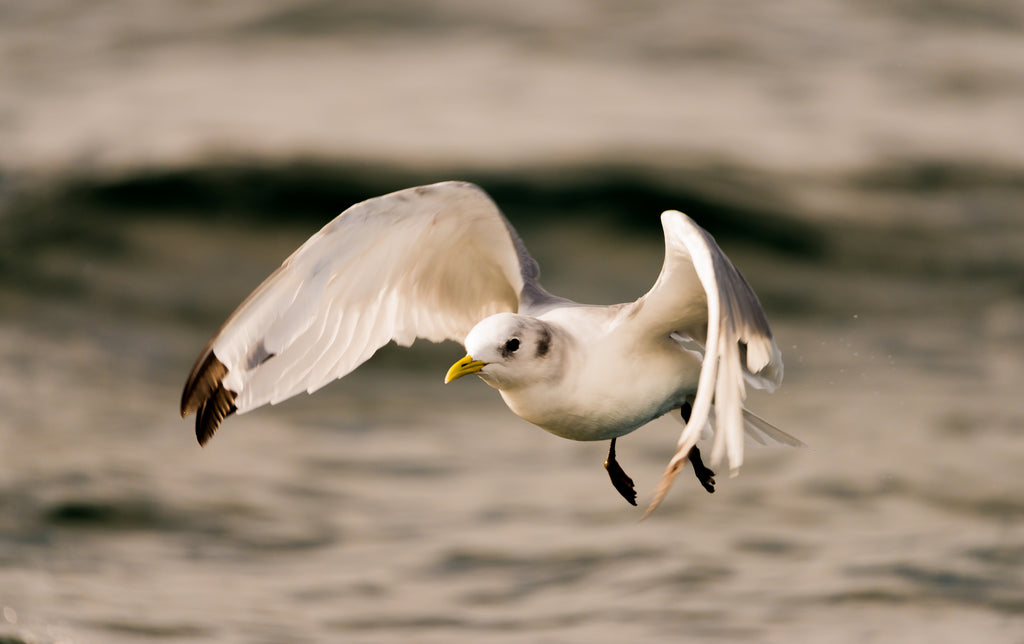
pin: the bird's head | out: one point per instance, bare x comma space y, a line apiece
508, 350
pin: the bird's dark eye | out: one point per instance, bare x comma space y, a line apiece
512, 345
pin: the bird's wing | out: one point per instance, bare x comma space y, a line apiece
700, 294
427, 262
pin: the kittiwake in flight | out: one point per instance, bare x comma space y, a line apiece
441, 262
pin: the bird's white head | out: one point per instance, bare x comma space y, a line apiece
508, 350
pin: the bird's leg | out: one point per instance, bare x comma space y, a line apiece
704, 474
619, 478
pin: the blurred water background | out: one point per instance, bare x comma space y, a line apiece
863, 164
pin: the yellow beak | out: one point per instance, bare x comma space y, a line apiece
463, 367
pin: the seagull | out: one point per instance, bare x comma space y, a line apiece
441, 262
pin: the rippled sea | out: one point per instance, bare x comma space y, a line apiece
149, 182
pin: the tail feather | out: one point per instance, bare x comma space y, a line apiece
762, 432
755, 428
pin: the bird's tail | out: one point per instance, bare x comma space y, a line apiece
756, 430
761, 432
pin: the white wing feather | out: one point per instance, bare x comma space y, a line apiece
701, 294
426, 262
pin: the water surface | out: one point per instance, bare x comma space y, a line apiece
860, 164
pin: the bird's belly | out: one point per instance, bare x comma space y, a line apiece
610, 393
603, 420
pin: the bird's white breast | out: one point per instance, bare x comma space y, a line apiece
613, 382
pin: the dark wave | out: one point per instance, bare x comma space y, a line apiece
729, 202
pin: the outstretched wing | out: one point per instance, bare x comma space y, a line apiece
427, 262
700, 294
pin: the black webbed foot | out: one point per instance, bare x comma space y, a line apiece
619, 478
704, 474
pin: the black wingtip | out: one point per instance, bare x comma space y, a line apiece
206, 395
213, 411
